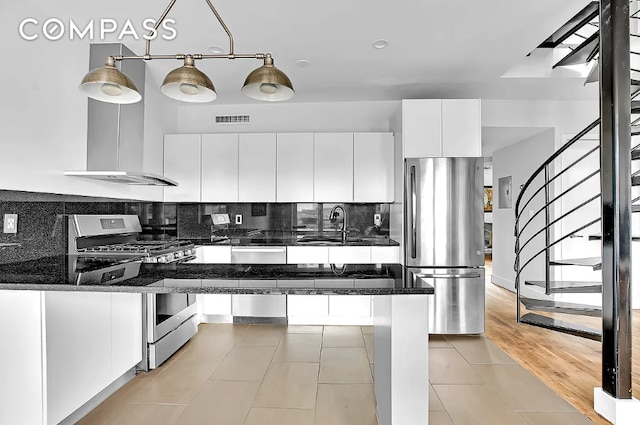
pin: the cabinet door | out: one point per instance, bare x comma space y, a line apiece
333, 180
461, 128
182, 164
349, 254
78, 352
212, 255
307, 254
215, 304
307, 305
295, 167
350, 305
422, 128
126, 332
257, 170
219, 168
373, 167
385, 254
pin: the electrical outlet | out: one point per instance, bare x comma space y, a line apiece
10, 223
238, 218
377, 219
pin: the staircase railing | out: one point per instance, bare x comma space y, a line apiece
530, 192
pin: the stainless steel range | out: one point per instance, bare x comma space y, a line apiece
104, 249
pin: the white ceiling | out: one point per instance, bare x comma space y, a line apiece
437, 48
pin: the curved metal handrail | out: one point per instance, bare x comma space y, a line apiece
554, 156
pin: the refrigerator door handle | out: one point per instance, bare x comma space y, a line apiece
412, 207
450, 276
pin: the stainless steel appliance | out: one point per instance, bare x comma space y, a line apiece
444, 239
105, 249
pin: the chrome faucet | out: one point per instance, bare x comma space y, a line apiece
333, 215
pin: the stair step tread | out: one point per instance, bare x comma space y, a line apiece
567, 286
578, 21
635, 180
635, 208
595, 262
599, 237
582, 53
561, 307
561, 326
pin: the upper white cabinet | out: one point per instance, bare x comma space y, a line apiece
422, 127
257, 167
220, 167
283, 167
441, 128
182, 164
373, 167
295, 167
333, 180
461, 128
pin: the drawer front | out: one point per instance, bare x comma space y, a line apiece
212, 255
258, 255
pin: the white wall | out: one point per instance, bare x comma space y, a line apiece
43, 115
518, 161
290, 117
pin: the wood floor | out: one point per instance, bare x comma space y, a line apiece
567, 364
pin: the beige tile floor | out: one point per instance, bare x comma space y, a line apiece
315, 375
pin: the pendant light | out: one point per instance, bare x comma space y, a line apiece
109, 84
268, 83
186, 83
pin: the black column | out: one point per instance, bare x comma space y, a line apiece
615, 177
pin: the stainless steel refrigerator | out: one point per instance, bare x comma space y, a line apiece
444, 239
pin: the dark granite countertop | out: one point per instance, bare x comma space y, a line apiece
60, 273
291, 240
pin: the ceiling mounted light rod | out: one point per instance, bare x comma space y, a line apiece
187, 83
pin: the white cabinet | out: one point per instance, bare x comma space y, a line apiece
422, 128
441, 128
126, 332
307, 254
295, 167
307, 306
373, 167
214, 304
461, 128
182, 164
212, 255
333, 180
353, 306
385, 254
257, 167
349, 254
219, 168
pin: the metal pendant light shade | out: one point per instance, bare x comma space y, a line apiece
109, 84
188, 84
268, 83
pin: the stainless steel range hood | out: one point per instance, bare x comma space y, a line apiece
115, 133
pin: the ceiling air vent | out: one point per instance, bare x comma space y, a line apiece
232, 119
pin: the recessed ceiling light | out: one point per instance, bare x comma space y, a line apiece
303, 63
216, 50
380, 44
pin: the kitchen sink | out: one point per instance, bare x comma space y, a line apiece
318, 240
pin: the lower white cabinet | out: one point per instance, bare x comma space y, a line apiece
212, 254
214, 304
70, 346
350, 306
349, 254
307, 254
385, 254
301, 306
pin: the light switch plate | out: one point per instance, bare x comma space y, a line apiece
238, 218
377, 220
10, 223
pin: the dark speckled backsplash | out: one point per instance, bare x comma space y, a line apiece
41, 220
